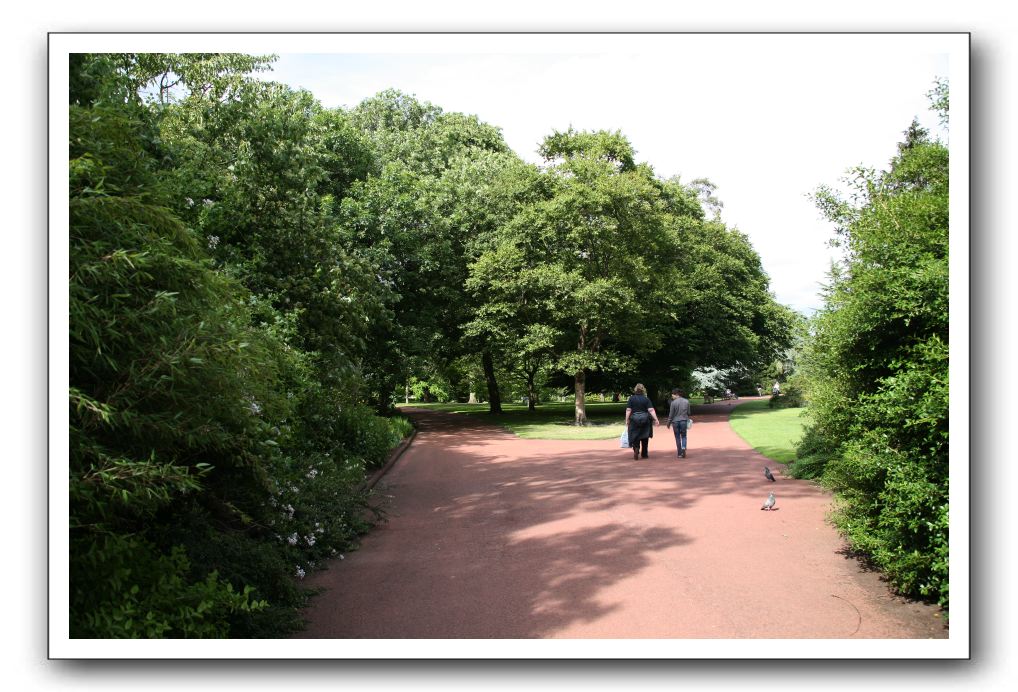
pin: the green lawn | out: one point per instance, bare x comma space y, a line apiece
551, 421
772, 432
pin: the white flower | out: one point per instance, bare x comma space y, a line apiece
312, 473
300, 572
340, 557
213, 242
292, 540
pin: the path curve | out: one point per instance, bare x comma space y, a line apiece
493, 536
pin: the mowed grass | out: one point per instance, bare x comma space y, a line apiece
772, 432
550, 421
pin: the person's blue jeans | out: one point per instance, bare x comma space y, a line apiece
679, 428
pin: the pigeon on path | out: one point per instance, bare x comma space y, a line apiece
768, 474
769, 503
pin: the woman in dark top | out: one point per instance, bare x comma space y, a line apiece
639, 414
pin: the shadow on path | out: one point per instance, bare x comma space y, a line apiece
492, 536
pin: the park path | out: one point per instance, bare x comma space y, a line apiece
492, 536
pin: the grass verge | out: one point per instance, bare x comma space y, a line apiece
772, 432
550, 421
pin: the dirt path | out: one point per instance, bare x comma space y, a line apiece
491, 536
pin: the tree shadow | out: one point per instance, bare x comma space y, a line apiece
489, 537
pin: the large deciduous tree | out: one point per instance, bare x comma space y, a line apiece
580, 259
418, 219
260, 177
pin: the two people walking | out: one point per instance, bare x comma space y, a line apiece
640, 412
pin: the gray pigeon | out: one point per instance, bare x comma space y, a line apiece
769, 503
768, 474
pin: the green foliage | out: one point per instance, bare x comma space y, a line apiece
436, 195
148, 594
789, 397
210, 345
259, 178
357, 429
605, 271
876, 369
563, 262
116, 79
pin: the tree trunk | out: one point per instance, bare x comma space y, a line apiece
494, 400
531, 394
407, 393
581, 406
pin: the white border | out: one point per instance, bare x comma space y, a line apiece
60, 646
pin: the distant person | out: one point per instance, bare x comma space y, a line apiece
759, 390
775, 388
678, 420
639, 413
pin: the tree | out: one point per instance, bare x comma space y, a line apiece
877, 367
567, 262
260, 176
717, 310
417, 219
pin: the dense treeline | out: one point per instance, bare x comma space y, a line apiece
254, 278
875, 368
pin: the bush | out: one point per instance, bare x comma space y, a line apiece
877, 370
791, 397
813, 453
148, 593
212, 464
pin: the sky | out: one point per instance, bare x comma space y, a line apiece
766, 118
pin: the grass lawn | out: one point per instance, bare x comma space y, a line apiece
551, 421
772, 432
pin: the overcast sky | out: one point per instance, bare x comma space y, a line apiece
767, 118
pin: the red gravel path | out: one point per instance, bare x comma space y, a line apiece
490, 536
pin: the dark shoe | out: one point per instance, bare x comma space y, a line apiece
683, 454
644, 456
636, 454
